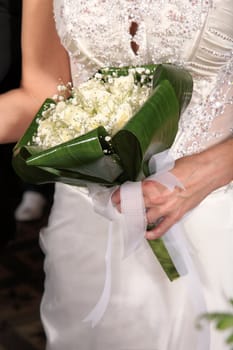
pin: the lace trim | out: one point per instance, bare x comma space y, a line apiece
211, 119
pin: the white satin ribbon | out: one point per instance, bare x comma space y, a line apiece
133, 211
97, 312
101, 198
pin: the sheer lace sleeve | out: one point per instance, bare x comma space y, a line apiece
209, 117
219, 106
210, 120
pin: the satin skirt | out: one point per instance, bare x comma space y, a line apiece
146, 311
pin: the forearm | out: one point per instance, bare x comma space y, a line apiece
45, 64
208, 170
17, 109
220, 163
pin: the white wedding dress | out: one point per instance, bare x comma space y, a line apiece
146, 311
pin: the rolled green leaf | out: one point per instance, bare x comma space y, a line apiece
81, 150
157, 120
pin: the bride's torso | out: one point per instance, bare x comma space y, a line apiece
197, 34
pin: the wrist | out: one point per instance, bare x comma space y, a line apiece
209, 169
195, 173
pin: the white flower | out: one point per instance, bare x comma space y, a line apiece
109, 103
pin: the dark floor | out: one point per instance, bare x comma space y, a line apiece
21, 285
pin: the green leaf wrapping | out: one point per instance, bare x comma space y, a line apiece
133, 140
83, 160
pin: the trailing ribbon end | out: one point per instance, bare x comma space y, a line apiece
98, 311
133, 210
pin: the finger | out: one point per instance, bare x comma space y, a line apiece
118, 207
161, 228
154, 214
152, 226
116, 197
153, 193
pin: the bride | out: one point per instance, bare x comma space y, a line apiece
65, 40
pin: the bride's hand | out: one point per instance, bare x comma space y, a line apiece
200, 175
164, 207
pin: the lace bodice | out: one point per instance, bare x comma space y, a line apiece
197, 34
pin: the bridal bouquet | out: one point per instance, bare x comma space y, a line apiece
107, 129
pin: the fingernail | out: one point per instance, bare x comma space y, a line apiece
150, 235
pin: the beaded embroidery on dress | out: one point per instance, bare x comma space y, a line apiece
188, 33
146, 311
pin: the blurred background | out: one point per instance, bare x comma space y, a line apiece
24, 210
21, 286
